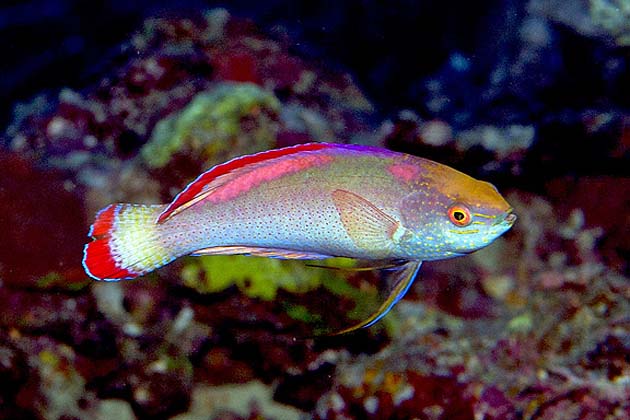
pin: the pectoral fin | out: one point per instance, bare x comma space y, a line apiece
402, 282
368, 226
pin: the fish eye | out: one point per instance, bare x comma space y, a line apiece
459, 215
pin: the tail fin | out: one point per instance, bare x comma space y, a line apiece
127, 243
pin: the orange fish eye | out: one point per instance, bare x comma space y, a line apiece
459, 215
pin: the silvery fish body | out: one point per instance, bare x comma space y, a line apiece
310, 201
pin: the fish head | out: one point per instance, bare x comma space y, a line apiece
454, 214
473, 221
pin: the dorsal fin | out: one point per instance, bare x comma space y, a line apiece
196, 189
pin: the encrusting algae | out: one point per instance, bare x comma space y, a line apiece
210, 127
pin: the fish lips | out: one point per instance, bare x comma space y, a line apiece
508, 218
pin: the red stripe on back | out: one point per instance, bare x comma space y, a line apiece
204, 179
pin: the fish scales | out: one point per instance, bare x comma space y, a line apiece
295, 211
311, 201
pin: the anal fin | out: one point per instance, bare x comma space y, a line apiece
287, 254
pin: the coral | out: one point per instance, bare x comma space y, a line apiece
534, 326
481, 149
249, 400
163, 386
14, 373
381, 387
595, 18
55, 386
230, 116
263, 278
136, 349
39, 206
112, 409
613, 16
547, 348
256, 277
501, 141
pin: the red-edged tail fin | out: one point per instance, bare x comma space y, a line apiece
127, 243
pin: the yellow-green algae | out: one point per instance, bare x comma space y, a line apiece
57, 280
256, 277
613, 17
262, 278
302, 313
230, 117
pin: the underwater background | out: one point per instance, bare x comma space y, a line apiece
110, 101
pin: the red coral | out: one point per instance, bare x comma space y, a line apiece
404, 395
43, 224
238, 66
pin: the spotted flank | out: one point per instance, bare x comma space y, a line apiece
309, 201
127, 243
201, 187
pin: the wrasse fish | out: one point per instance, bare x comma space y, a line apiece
311, 201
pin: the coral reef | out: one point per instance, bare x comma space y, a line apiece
535, 357
210, 127
533, 327
593, 18
256, 277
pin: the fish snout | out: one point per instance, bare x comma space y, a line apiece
510, 217
506, 218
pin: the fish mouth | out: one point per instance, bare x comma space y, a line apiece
510, 217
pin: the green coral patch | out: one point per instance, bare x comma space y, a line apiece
366, 300
256, 277
57, 280
302, 313
262, 278
229, 117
